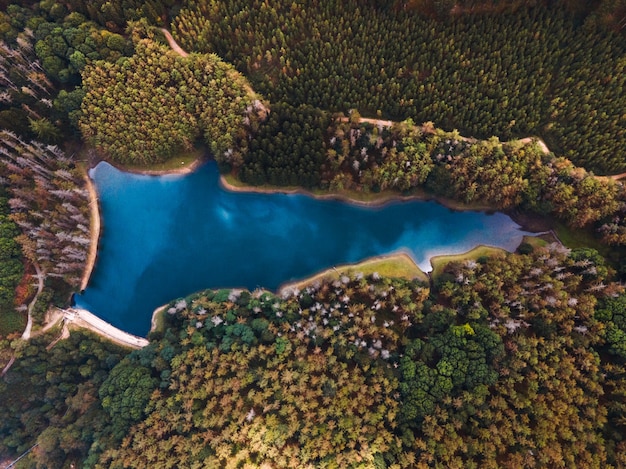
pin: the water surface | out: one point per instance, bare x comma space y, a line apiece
167, 236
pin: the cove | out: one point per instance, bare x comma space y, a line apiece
165, 237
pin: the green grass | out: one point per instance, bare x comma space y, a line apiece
535, 241
232, 180
573, 239
10, 322
395, 265
580, 239
158, 320
439, 262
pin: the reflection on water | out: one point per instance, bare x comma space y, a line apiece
165, 237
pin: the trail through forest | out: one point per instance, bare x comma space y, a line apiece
183, 53
29, 324
40, 281
173, 44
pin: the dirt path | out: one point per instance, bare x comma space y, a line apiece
65, 333
29, 323
53, 316
617, 177
173, 44
8, 367
388, 123
541, 143
379, 122
526, 140
251, 93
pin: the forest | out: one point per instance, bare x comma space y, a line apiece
173, 99
430, 98
352, 371
534, 72
354, 155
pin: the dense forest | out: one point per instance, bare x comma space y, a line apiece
11, 268
172, 99
495, 339
535, 72
354, 371
509, 360
50, 398
50, 205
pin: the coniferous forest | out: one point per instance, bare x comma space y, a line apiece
505, 360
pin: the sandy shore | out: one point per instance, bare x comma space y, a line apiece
85, 319
94, 228
156, 314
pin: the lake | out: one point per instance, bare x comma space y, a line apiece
165, 237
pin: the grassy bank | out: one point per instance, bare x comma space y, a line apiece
396, 265
362, 198
439, 262
182, 161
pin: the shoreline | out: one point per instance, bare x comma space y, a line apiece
188, 169
95, 225
79, 317
378, 201
346, 268
530, 222
439, 261
157, 314
160, 311
95, 220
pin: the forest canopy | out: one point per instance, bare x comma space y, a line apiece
360, 371
471, 369
532, 72
148, 107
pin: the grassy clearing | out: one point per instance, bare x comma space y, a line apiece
536, 241
11, 322
580, 239
573, 239
395, 265
439, 262
232, 180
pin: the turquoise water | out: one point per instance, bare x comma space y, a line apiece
168, 236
